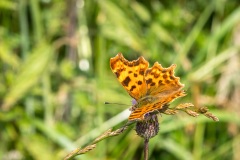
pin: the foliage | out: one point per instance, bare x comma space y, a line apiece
55, 76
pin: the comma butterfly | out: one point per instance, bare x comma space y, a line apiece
152, 88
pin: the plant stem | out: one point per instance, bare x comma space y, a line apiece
146, 148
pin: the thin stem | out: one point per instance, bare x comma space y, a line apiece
146, 148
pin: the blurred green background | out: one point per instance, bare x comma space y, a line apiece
55, 76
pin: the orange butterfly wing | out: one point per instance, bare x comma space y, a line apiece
130, 74
139, 113
163, 86
162, 80
152, 88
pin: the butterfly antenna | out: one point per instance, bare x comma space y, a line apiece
116, 103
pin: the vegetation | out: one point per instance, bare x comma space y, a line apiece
55, 76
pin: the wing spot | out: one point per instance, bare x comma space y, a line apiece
141, 72
160, 82
171, 77
117, 74
132, 88
126, 81
167, 81
135, 75
129, 72
165, 76
156, 75
149, 80
121, 70
139, 82
152, 84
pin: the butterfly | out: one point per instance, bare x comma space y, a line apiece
152, 88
